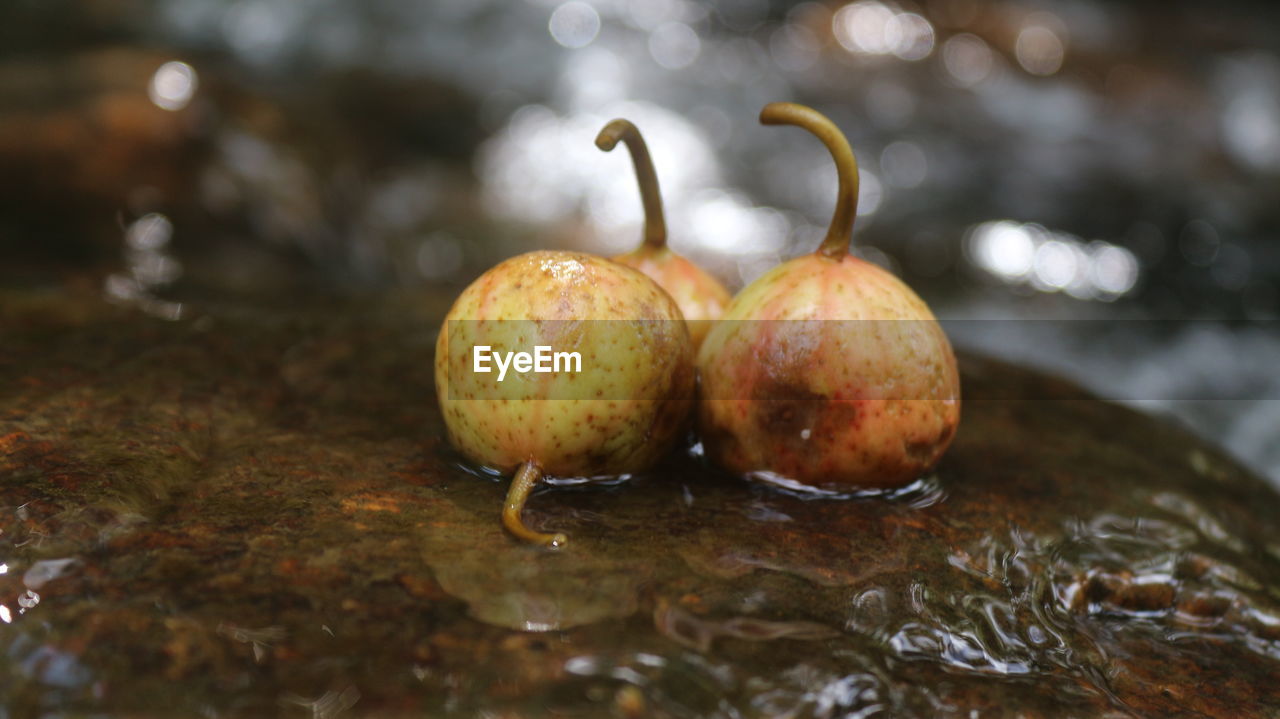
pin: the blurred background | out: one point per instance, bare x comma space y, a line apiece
1091, 187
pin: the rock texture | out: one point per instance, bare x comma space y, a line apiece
256, 513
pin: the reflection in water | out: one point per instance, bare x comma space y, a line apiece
260, 639
329, 705
698, 633
150, 268
48, 665
923, 492
44, 571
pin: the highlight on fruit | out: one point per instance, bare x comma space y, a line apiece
700, 296
828, 372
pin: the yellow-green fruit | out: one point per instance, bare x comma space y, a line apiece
828, 371
701, 297
619, 413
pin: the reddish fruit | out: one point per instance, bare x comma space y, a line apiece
828, 371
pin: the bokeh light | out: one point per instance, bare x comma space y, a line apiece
419, 142
863, 27
574, 24
967, 59
674, 45
1029, 255
173, 85
1248, 93
904, 164
910, 36
1039, 50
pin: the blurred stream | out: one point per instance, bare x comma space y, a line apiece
1084, 186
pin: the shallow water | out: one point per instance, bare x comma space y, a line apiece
246, 513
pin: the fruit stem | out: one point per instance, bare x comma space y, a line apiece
839, 234
522, 485
655, 225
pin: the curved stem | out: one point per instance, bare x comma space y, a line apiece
839, 233
655, 225
527, 477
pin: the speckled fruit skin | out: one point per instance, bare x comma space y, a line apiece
568, 437
834, 405
701, 297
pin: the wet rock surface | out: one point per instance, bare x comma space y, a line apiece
248, 513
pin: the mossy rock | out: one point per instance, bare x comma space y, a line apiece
247, 513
